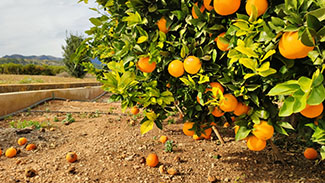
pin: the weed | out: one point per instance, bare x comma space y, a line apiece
169, 145
171, 121
55, 119
30, 80
23, 124
68, 119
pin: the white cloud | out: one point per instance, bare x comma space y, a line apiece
38, 27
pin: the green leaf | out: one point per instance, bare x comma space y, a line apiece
151, 116
268, 54
318, 13
286, 88
287, 108
267, 72
313, 22
246, 51
305, 83
146, 126
249, 75
249, 63
307, 38
317, 78
142, 39
285, 125
317, 95
280, 129
322, 152
95, 21
242, 133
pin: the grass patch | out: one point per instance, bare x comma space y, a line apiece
24, 124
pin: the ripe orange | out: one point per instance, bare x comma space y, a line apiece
196, 137
30, 147
152, 160
134, 110
312, 111
255, 144
186, 128
261, 6
168, 85
217, 85
22, 141
263, 131
213, 124
11, 152
291, 47
192, 64
71, 157
222, 46
226, 125
226, 7
207, 5
163, 139
228, 103
193, 10
162, 25
310, 153
217, 112
241, 109
145, 66
176, 68
0, 152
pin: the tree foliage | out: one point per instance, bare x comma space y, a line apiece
253, 70
70, 59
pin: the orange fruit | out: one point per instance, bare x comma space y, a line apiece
222, 46
226, 7
176, 68
30, 147
163, 139
241, 109
263, 131
186, 128
134, 110
192, 64
228, 103
207, 5
291, 47
312, 111
213, 124
193, 10
217, 85
260, 5
145, 66
0, 153
162, 25
217, 112
71, 157
310, 153
233, 118
11, 152
22, 141
152, 160
196, 137
168, 85
255, 144
226, 125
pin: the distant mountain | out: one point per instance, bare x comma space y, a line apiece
33, 57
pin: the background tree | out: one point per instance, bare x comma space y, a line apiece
71, 61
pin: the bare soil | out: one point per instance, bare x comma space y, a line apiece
110, 148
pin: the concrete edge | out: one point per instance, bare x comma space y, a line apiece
17, 101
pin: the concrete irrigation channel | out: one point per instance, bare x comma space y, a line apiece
16, 99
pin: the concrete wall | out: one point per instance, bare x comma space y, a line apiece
6, 88
15, 101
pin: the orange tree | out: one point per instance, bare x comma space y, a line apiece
262, 61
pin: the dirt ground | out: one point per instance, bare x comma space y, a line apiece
27, 79
110, 148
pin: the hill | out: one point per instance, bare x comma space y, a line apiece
36, 60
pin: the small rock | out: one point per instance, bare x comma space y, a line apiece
142, 160
212, 178
136, 167
29, 172
72, 170
52, 129
162, 169
226, 179
129, 158
42, 130
172, 171
177, 159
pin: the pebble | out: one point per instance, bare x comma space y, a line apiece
30, 172
162, 169
212, 178
172, 171
72, 170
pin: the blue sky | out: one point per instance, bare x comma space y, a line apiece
38, 27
